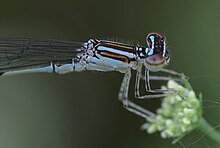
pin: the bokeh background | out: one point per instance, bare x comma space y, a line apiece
81, 110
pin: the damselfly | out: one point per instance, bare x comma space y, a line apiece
31, 55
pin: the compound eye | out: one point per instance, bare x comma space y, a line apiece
155, 60
154, 40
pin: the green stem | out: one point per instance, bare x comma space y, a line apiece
209, 131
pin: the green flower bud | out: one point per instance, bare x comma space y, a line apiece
179, 114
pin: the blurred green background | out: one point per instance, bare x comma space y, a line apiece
81, 110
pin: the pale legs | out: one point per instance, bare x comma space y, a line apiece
136, 109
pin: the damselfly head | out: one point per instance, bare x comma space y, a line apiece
157, 55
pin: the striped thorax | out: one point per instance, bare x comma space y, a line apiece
103, 55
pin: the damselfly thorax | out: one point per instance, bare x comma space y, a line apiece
31, 55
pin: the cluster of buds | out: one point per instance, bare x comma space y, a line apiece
179, 114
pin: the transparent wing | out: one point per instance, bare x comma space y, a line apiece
27, 53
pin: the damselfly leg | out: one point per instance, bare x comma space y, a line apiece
130, 106
157, 93
160, 93
134, 108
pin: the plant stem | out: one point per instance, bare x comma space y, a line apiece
210, 131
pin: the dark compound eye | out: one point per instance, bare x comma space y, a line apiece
155, 40
155, 60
